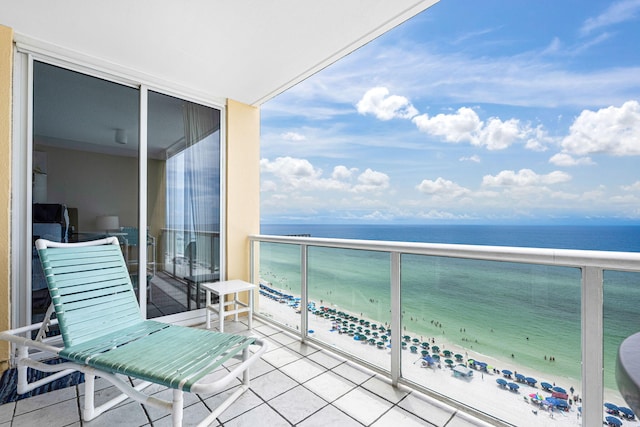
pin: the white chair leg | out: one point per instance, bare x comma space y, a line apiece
88, 413
177, 409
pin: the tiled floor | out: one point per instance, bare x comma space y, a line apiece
293, 384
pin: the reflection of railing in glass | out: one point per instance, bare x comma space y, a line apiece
189, 253
191, 257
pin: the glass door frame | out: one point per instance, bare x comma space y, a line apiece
22, 157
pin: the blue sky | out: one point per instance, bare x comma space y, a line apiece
471, 112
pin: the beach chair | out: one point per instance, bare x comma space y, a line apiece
104, 335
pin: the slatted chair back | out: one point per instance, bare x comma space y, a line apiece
90, 288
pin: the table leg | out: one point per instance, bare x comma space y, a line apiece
235, 306
221, 299
207, 302
250, 307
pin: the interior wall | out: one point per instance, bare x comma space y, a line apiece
243, 185
6, 64
95, 184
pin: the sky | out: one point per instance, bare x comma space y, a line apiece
469, 113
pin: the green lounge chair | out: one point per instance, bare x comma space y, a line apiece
104, 335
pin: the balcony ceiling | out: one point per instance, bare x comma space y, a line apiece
247, 50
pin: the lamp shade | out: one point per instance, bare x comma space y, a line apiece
108, 222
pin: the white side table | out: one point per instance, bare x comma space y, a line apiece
222, 289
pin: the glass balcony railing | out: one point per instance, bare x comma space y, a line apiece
510, 334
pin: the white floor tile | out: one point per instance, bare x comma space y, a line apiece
352, 373
6, 412
330, 416
46, 399
427, 408
280, 356
263, 415
398, 417
130, 414
384, 389
272, 384
297, 404
61, 414
325, 359
303, 370
246, 402
330, 386
362, 405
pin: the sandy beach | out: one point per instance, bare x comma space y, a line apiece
480, 391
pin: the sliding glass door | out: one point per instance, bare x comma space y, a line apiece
183, 201
106, 157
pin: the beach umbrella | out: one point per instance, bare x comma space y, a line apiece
404, 344
520, 377
502, 382
506, 372
416, 340
425, 345
414, 349
531, 381
559, 389
611, 407
436, 356
407, 338
628, 413
513, 386
435, 349
447, 353
458, 357
448, 362
424, 353
613, 421
545, 385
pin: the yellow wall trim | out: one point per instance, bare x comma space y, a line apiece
6, 67
243, 185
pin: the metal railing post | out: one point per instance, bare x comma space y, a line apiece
592, 345
396, 318
304, 294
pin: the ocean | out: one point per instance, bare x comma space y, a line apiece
505, 310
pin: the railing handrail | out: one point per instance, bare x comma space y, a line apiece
607, 260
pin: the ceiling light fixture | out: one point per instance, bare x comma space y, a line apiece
121, 136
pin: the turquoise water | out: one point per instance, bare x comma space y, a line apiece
498, 309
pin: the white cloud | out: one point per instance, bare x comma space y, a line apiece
475, 158
342, 173
524, 178
370, 180
300, 175
611, 130
538, 139
618, 12
290, 169
268, 185
563, 159
633, 187
442, 187
293, 136
378, 102
465, 126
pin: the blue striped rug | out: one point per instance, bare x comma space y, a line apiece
9, 382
